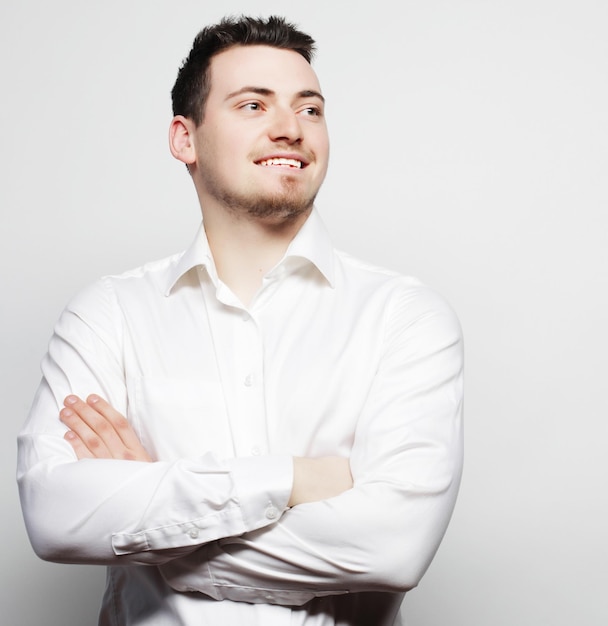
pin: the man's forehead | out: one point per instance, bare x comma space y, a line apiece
273, 68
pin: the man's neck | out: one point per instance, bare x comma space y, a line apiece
245, 249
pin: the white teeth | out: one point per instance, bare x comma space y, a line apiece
282, 161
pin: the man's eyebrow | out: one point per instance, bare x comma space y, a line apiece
310, 93
264, 91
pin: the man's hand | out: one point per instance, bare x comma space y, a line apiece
97, 431
319, 479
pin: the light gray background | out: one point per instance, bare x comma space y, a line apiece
469, 148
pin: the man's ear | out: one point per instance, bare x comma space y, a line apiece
181, 141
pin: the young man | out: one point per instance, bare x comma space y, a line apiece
291, 448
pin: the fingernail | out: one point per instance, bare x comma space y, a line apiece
93, 398
71, 400
66, 413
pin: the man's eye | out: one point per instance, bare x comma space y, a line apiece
251, 106
312, 111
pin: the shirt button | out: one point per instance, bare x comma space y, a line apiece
256, 451
193, 532
272, 512
248, 380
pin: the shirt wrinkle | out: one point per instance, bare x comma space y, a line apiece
336, 357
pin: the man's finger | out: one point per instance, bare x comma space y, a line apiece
93, 429
82, 452
102, 430
119, 422
72, 418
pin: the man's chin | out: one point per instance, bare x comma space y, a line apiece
282, 206
278, 210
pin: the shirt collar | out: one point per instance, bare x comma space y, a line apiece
311, 244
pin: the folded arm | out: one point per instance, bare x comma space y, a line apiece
222, 527
99, 431
90, 492
99, 510
406, 462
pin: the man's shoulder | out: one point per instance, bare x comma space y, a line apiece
402, 295
150, 280
352, 269
151, 272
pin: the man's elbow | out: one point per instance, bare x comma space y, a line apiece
49, 546
53, 535
393, 573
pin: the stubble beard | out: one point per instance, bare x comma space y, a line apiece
286, 204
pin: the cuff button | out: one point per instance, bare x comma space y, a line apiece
272, 512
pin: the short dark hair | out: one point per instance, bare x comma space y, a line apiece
193, 80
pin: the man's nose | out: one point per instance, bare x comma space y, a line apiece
285, 126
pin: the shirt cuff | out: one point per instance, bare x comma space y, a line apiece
261, 490
264, 485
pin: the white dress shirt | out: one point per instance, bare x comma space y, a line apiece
333, 357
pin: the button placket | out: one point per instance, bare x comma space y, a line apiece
250, 434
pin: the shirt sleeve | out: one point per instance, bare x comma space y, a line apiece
406, 462
109, 511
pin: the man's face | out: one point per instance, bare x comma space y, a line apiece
262, 148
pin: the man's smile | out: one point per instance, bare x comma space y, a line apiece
282, 162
